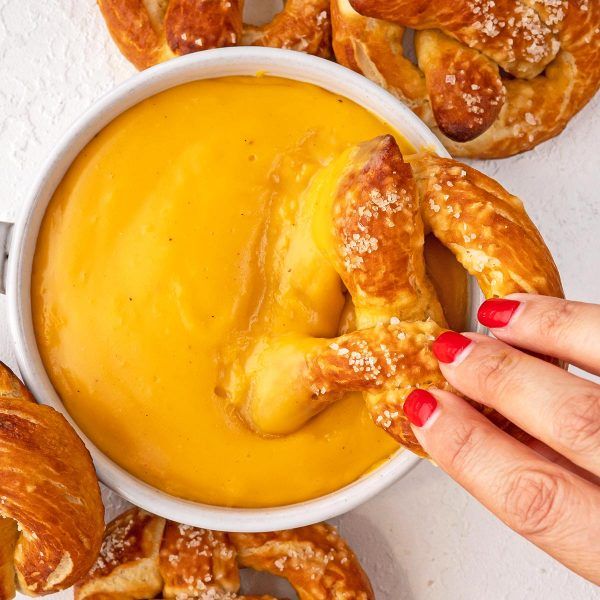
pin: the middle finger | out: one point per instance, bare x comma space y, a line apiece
558, 408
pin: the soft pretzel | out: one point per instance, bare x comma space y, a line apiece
302, 25
366, 210
494, 78
151, 31
144, 556
51, 513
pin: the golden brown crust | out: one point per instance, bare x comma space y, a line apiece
486, 228
50, 489
151, 31
464, 86
377, 243
194, 560
302, 25
373, 47
8, 540
549, 49
314, 559
143, 557
127, 565
192, 25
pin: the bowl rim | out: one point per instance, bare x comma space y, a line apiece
202, 65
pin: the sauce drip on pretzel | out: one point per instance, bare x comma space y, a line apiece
365, 215
493, 78
145, 556
51, 513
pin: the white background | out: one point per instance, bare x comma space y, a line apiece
424, 538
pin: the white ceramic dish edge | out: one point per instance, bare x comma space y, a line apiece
20, 244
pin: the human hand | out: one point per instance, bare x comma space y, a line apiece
547, 489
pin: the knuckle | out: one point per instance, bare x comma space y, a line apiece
577, 423
533, 501
463, 447
556, 319
495, 370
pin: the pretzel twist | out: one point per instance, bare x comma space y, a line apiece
145, 556
51, 513
493, 78
151, 31
302, 25
364, 213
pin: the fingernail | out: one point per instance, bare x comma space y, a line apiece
497, 312
449, 345
419, 406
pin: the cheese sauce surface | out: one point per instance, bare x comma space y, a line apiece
151, 253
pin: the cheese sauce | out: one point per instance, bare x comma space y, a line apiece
149, 256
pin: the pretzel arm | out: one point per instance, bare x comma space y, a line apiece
302, 25
396, 355
8, 541
193, 560
374, 48
376, 241
192, 25
464, 86
485, 227
137, 32
50, 489
510, 32
314, 559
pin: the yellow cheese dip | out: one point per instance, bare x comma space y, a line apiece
150, 255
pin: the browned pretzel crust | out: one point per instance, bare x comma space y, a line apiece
48, 488
494, 78
151, 31
144, 556
302, 25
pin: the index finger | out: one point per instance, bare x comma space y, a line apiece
553, 326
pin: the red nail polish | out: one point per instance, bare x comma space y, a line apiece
449, 345
419, 406
497, 312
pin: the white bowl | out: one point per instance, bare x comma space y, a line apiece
21, 241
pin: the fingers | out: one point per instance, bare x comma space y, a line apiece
554, 406
552, 507
558, 459
567, 330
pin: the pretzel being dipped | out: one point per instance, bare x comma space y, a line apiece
51, 513
144, 556
366, 212
493, 78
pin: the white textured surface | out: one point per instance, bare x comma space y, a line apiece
425, 538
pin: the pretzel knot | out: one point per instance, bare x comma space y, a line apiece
494, 77
51, 513
362, 221
151, 31
143, 556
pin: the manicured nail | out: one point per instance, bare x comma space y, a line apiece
419, 406
449, 345
497, 312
